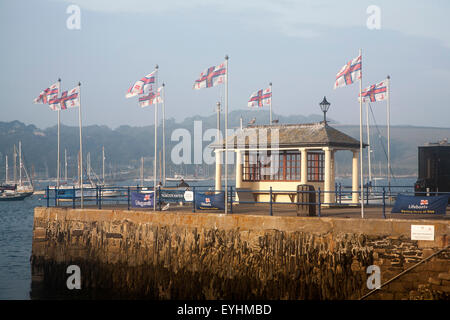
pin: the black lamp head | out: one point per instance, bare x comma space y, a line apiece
324, 105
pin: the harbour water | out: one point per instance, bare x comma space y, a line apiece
16, 227
16, 232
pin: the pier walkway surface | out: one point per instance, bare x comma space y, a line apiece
370, 212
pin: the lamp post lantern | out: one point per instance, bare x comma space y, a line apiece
324, 106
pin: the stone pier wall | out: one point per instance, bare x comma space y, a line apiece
135, 254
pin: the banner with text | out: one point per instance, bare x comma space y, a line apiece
205, 201
413, 204
172, 196
142, 200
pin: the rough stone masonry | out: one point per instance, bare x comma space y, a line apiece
163, 255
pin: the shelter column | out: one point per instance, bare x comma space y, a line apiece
238, 168
333, 176
355, 187
304, 166
327, 178
218, 169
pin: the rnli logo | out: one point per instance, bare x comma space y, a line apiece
147, 197
423, 202
207, 200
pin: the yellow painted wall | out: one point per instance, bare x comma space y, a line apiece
277, 186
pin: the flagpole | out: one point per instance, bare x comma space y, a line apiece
368, 142
164, 133
58, 152
57, 162
65, 165
226, 137
270, 85
81, 146
156, 139
361, 141
388, 111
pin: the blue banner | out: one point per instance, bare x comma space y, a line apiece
413, 204
141, 200
205, 201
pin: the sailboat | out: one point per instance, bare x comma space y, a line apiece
372, 196
8, 193
95, 181
16, 191
69, 191
89, 189
187, 178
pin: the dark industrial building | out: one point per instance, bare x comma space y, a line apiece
434, 168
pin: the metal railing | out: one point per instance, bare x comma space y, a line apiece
107, 196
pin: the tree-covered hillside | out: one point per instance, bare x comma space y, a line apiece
125, 145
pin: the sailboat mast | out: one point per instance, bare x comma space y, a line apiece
6, 172
88, 165
65, 165
20, 163
78, 164
379, 165
142, 171
103, 164
160, 166
15, 165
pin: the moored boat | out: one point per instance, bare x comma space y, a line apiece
10, 193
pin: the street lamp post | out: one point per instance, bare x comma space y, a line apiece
324, 106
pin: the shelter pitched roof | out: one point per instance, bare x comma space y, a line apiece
289, 135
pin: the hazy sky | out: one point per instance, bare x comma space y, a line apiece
297, 45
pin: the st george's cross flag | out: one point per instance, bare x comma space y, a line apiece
69, 99
211, 77
150, 98
376, 92
141, 86
260, 98
53, 103
349, 73
47, 94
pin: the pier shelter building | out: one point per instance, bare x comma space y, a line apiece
285, 156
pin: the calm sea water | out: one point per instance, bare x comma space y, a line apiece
16, 231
